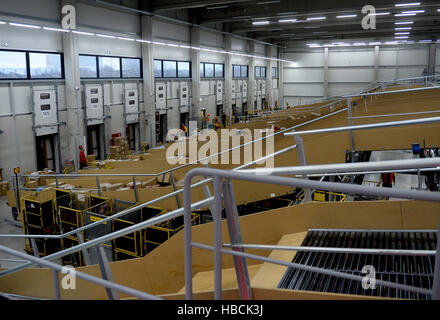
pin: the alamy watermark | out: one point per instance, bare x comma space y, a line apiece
69, 281
214, 147
369, 281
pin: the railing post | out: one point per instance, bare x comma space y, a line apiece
56, 285
106, 272
419, 179
98, 186
241, 269
35, 248
350, 123
85, 252
436, 285
57, 182
136, 197
217, 238
173, 182
303, 162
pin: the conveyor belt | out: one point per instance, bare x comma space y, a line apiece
410, 270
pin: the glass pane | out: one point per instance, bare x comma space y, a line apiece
263, 72
157, 68
244, 71
169, 69
12, 65
209, 70
183, 68
219, 71
274, 72
45, 65
257, 72
236, 72
109, 67
202, 70
131, 68
87, 67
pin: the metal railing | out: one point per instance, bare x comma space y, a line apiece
223, 192
109, 285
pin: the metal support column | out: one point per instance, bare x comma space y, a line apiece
303, 162
35, 248
56, 285
350, 123
85, 252
106, 272
241, 269
436, 285
136, 196
217, 238
173, 182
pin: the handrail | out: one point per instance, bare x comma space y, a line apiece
390, 92
367, 126
240, 266
81, 275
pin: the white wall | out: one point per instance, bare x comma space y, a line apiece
349, 69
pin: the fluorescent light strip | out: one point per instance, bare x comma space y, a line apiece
143, 41
401, 33
403, 22
316, 18
287, 20
359, 44
83, 33
24, 25
260, 23
172, 45
403, 28
2, 22
405, 37
391, 42
405, 14
55, 29
375, 43
126, 39
414, 11
347, 16
425, 40
407, 4
379, 14
105, 36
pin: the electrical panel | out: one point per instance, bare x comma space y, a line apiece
239, 86
45, 112
245, 91
233, 93
131, 106
94, 105
161, 98
184, 98
263, 87
219, 91
259, 101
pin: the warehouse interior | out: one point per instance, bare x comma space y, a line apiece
219, 149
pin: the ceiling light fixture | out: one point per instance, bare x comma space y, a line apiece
24, 25
287, 20
126, 39
316, 18
2, 22
83, 33
55, 29
401, 33
105, 36
260, 23
407, 4
404, 22
414, 11
405, 14
379, 14
347, 16
403, 28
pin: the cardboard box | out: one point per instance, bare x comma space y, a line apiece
4, 188
32, 184
114, 187
91, 158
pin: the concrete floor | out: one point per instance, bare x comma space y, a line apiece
8, 228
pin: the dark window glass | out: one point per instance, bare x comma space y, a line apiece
157, 68
219, 71
244, 71
109, 67
12, 65
87, 67
202, 70
131, 68
263, 72
236, 73
169, 69
257, 72
45, 65
209, 70
184, 69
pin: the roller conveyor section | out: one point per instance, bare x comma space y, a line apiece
409, 270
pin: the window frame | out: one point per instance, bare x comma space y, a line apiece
97, 66
241, 71
28, 67
177, 69
98, 73
275, 74
261, 68
140, 68
214, 74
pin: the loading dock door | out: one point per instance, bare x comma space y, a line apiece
46, 155
94, 141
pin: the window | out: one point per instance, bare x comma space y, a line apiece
45, 65
263, 72
169, 69
88, 67
131, 68
236, 71
209, 70
13, 65
244, 71
257, 72
157, 68
274, 72
183, 69
109, 67
219, 70
202, 70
